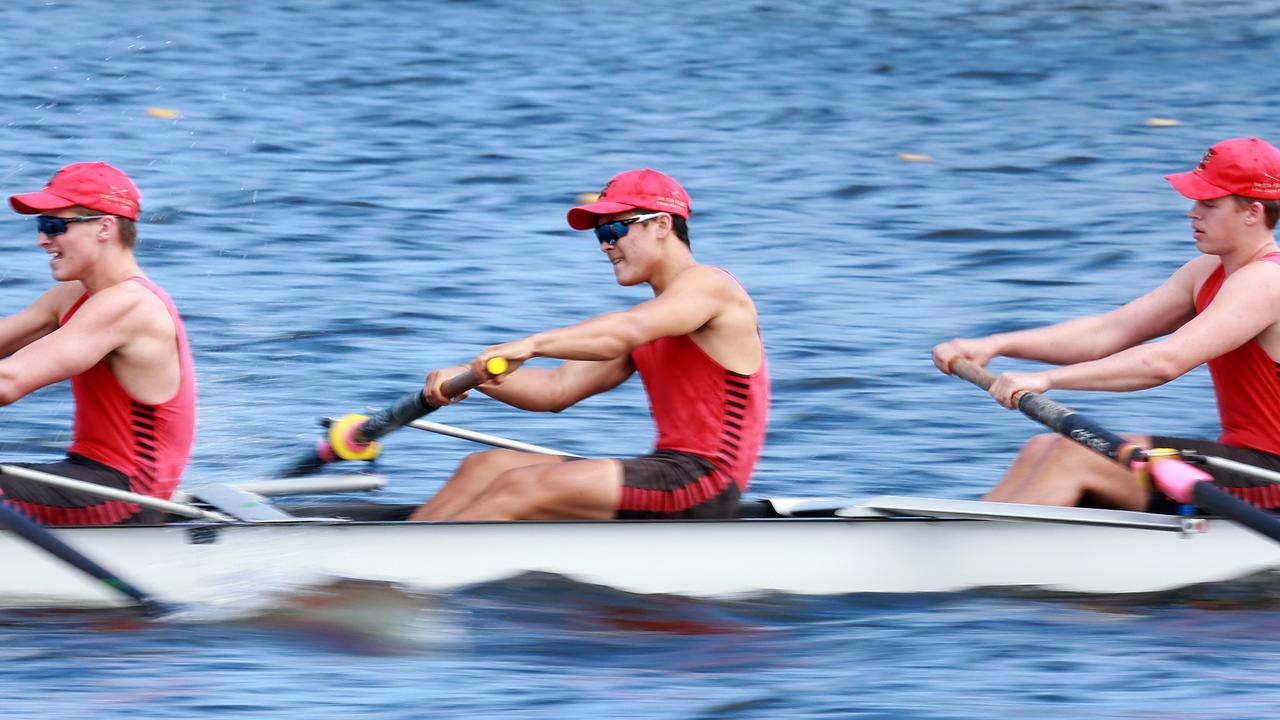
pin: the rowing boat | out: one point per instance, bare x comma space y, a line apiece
811, 546
225, 541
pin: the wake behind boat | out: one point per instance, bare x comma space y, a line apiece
885, 544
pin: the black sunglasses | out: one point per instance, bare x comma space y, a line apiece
614, 231
51, 226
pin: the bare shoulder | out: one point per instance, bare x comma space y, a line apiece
1259, 276
59, 298
714, 280
126, 306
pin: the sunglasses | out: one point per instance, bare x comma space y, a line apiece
52, 226
614, 231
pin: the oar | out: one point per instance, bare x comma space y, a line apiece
88, 488
18, 524
352, 437
494, 440
1174, 477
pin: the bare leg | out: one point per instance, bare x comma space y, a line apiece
1052, 470
473, 477
579, 490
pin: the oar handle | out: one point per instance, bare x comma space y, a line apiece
414, 405
1050, 413
352, 437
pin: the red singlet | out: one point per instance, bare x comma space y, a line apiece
150, 444
1246, 383
700, 407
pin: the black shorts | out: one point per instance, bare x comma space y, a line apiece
1256, 491
668, 485
76, 467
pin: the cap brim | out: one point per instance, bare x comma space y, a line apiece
584, 217
37, 202
1192, 186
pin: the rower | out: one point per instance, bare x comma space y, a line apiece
119, 339
1221, 308
696, 346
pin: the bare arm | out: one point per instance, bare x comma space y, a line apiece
103, 324
1247, 305
694, 298
38, 319
1156, 313
598, 350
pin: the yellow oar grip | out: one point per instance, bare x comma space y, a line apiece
496, 365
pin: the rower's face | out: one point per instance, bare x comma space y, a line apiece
1215, 224
73, 251
633, 254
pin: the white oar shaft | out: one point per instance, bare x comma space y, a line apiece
1242, 468
112, 493
493, 440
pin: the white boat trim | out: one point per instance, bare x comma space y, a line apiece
983, 510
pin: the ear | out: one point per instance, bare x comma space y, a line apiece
1255, 214
664, 224
105, 228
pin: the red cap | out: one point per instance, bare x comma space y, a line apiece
94, 185
633, 190
1243, 166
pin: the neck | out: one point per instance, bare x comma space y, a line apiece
110, 273
673, 264
1249, 252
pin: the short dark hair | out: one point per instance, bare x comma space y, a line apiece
128, 231
1270, 207
681, 226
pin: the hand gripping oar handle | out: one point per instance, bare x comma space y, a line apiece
37, 535
1051, 414
1174, 477
414, 405
352, 437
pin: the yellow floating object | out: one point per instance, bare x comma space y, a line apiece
915, 157
1162, 122
163, 113
587, 198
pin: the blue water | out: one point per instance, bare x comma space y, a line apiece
357, 192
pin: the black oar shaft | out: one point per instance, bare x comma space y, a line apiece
411, 407
1073, 425
37, 535
1220, 502
405, 410
1051, 414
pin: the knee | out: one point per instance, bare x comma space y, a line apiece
520, 486
1047, 445
1043, 443
486, 462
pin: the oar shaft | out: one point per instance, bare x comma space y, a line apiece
112, 493
1049, 413
411, 407
353, 443
1220, 502
37, 535
1173, 476
482, 438
1234, 466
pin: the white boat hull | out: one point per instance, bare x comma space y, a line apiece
869, 552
